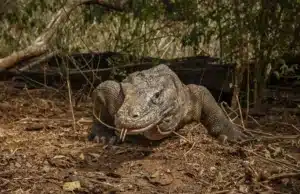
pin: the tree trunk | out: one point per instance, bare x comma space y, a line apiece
238, 78
260, 84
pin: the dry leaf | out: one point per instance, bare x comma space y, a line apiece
71, 186
81, 156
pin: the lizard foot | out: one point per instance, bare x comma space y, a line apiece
101, 134
233, 135
229, 133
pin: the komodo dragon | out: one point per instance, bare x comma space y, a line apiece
154, 103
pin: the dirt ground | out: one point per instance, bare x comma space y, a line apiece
41, 152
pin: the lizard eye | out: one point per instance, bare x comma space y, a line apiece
155, 98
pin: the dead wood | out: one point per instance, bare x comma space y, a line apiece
284, 175
41, 44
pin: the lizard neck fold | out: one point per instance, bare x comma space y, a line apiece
188, 109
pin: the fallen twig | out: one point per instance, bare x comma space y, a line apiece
254, 120
70, 101
292, 166
189, 149
186, 139
240, 111
5, 182
221, 192
273, 138
283, 175
259, 132
283, 123
28, 119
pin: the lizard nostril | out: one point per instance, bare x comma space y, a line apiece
167, 120
135, 115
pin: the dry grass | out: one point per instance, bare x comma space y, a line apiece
115, 32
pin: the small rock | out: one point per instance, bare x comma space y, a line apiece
5, 106
285, 181
212, 168
46, 169
18, 165
71, 186
130, 186
94, 155
20, 191
28, 165
81, 156
243, 189
74, 178
11, 166
154, 175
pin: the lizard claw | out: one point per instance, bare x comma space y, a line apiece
103, 135
231, 134
235, 135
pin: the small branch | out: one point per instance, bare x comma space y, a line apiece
274, 138
186, 139
40, 60
291, 166
259, 132
71, 104
41, 44
221, 192
185, 154
287, 124
240, 111
284, 175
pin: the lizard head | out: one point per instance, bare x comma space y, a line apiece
153, 98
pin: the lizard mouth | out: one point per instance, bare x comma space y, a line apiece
135, 131
125, 131
141, 130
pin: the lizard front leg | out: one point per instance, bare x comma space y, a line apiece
212, 116
107, 99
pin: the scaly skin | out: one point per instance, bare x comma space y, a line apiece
156, 97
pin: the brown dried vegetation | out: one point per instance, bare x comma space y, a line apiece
40, 151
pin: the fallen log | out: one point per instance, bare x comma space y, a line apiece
40, 45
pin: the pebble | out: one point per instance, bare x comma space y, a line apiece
46, 168
28, 165
18, 165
